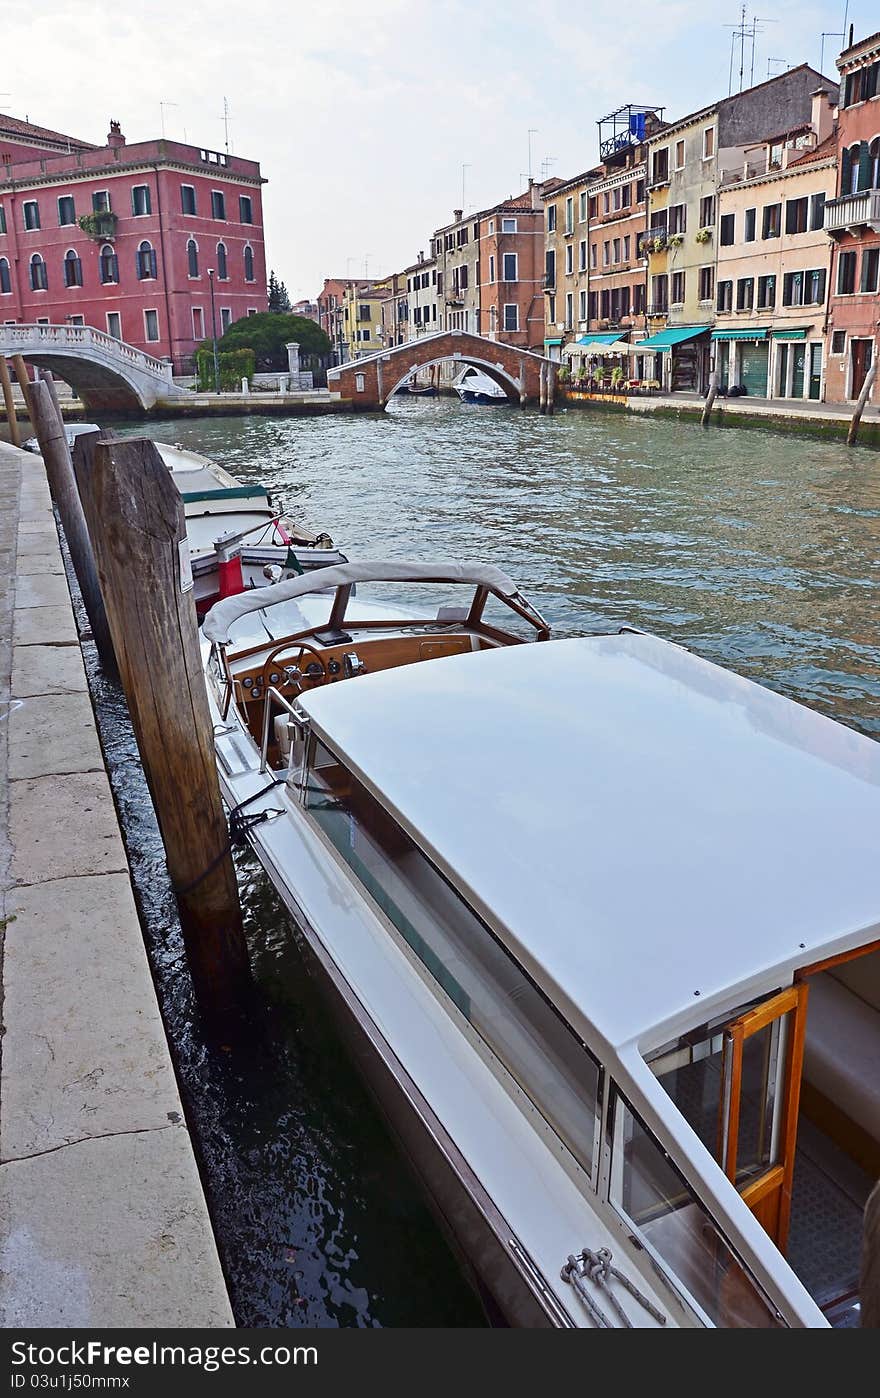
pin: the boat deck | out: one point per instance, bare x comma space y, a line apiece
828, 1201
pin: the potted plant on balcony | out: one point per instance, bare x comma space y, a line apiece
675, 240
704, 235
100, 226
658, 243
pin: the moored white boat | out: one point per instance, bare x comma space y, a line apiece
473, 386
602, 921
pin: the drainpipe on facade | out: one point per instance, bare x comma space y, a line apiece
164, 265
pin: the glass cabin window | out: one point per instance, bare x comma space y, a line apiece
551, 1065
648, 1190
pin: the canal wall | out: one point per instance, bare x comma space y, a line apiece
103, 1218
829, 422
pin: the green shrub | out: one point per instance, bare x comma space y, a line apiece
235, 365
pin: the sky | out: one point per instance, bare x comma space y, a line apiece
372, 121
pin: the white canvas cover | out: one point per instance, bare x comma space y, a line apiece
224, 614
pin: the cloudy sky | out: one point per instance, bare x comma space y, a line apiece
369, 119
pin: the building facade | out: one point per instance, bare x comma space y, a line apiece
686, 164
155, 243
330, 319
773, 257
361, 319
566, 254
852, 221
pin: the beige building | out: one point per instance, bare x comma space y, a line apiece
566, 261
362, 318
773, 260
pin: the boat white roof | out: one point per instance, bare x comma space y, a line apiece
656, 838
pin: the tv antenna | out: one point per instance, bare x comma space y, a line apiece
827, 34
546, 164
162, 106
745, 31
777, 60
225, 120
465, 166
367, 256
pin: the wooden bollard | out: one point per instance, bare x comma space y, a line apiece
710, 399
136, 518
853, 432
9, 402
49, 430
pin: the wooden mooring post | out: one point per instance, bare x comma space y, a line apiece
710, 399
853, 432
136, 519
48, 428
9, 402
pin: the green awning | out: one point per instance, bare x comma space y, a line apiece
790, 334
741, 334
553, 342
671, 336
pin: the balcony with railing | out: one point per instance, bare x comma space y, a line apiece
658, 308
860, 210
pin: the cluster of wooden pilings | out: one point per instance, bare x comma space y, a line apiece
123, 521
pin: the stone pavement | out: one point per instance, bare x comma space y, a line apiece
103, 1219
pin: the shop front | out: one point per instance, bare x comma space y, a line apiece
685, 357
743, 360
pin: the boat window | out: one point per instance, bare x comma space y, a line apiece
511, 1016
649, 1191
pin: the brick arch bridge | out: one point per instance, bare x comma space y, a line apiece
369, 382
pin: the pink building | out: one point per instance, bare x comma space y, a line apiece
159, 216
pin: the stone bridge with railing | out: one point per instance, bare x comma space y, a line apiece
368, 383
107, 374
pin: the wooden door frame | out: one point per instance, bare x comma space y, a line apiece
778, 1176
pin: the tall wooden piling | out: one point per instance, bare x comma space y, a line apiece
9, 402
868, 384
49, 431
136, 518
710, 399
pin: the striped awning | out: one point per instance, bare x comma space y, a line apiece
741, 334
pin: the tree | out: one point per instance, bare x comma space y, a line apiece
278, 297
267, 334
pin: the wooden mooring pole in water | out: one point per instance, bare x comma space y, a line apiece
868, 384
710, 399
136, 519
49, 430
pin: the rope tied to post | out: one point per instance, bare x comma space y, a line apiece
239, 826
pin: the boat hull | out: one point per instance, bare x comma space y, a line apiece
495, 1265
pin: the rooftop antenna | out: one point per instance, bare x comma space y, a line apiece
465, 166
741, 32
756, 22
827, 34
777, 60
546, 164
225, 120
367, 256
533, 131
162, 106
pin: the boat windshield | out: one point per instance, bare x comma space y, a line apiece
648, 1190
466, 962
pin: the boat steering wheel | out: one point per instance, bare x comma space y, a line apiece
273, 672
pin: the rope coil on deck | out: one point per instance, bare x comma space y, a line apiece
597, 1267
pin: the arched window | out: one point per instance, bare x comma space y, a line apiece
39, 280
146, 261
5, 283
73, 269
192, 258
248, 263
222, 272
108, 266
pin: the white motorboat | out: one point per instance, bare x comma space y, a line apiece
259, 544
601, 921
473, 386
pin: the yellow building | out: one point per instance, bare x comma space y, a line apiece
773, 259
362, 317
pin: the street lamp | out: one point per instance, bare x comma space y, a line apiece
214, 332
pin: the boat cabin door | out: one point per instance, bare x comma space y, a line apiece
762, 1058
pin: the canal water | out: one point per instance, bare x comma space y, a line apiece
756, 550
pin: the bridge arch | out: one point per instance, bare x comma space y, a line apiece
369, 382
108, 374
492, 371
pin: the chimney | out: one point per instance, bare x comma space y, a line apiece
822, 114
456, 215
115, 137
